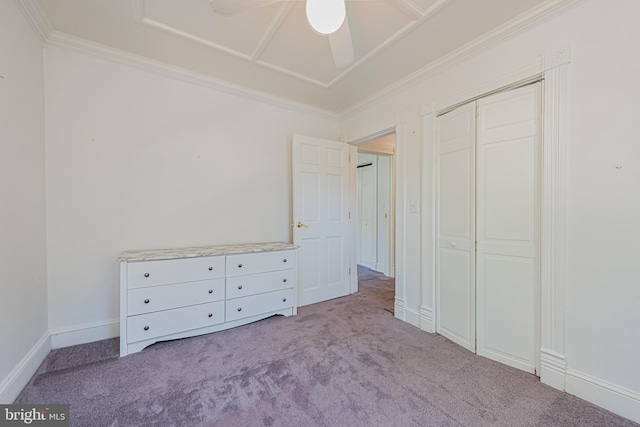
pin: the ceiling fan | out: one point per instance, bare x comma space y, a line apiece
326, 17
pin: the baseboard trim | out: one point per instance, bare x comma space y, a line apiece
406, 314
412, 316
398, 308
426, 319
82, 334
619, 400
553, 367
13, 384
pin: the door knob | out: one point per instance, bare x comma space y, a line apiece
299, 224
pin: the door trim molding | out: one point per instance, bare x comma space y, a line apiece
554, 68
554, 220
399, 125
428, 229
401, 219
354, 214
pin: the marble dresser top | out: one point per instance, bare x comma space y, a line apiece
199, 251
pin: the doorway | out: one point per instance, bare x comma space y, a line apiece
376, 202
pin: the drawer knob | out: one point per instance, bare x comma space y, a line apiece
146, 328
146, 301
210, 268
284, 260
239, 286
146, 274
210, 314
284, 280
239, 308
239, 265
210, 291
284, 300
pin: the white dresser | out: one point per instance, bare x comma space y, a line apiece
176, 293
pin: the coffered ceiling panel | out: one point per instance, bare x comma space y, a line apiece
374, 25
296, 48
194, 18
425, 5
272, 49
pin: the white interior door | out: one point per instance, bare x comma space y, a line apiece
455, 258
321, 199
508, 227
367, 211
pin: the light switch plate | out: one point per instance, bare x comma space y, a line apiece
413, 206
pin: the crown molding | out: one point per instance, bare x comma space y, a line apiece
36, 17
535, 16
77, 44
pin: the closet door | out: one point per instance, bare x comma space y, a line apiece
455, 259
508, 227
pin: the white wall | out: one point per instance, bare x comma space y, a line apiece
603, 296
136, 160
23, 289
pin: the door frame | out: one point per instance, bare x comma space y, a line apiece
553, 68
397, 125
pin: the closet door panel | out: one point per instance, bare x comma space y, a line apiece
507, 287
507, 198
457, 298
457, 129
505, 309
508, 115
456, 217
455, 259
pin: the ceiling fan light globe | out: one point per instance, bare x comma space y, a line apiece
326, 16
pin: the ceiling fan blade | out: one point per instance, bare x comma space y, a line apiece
233, 7
342, 45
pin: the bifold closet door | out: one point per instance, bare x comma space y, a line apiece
507, 227
455, 227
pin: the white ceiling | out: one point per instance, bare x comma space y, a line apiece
272, 49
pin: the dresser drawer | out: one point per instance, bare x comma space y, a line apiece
151, 273
153, 325
157, 298
260, 262
257, 304
251, 284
